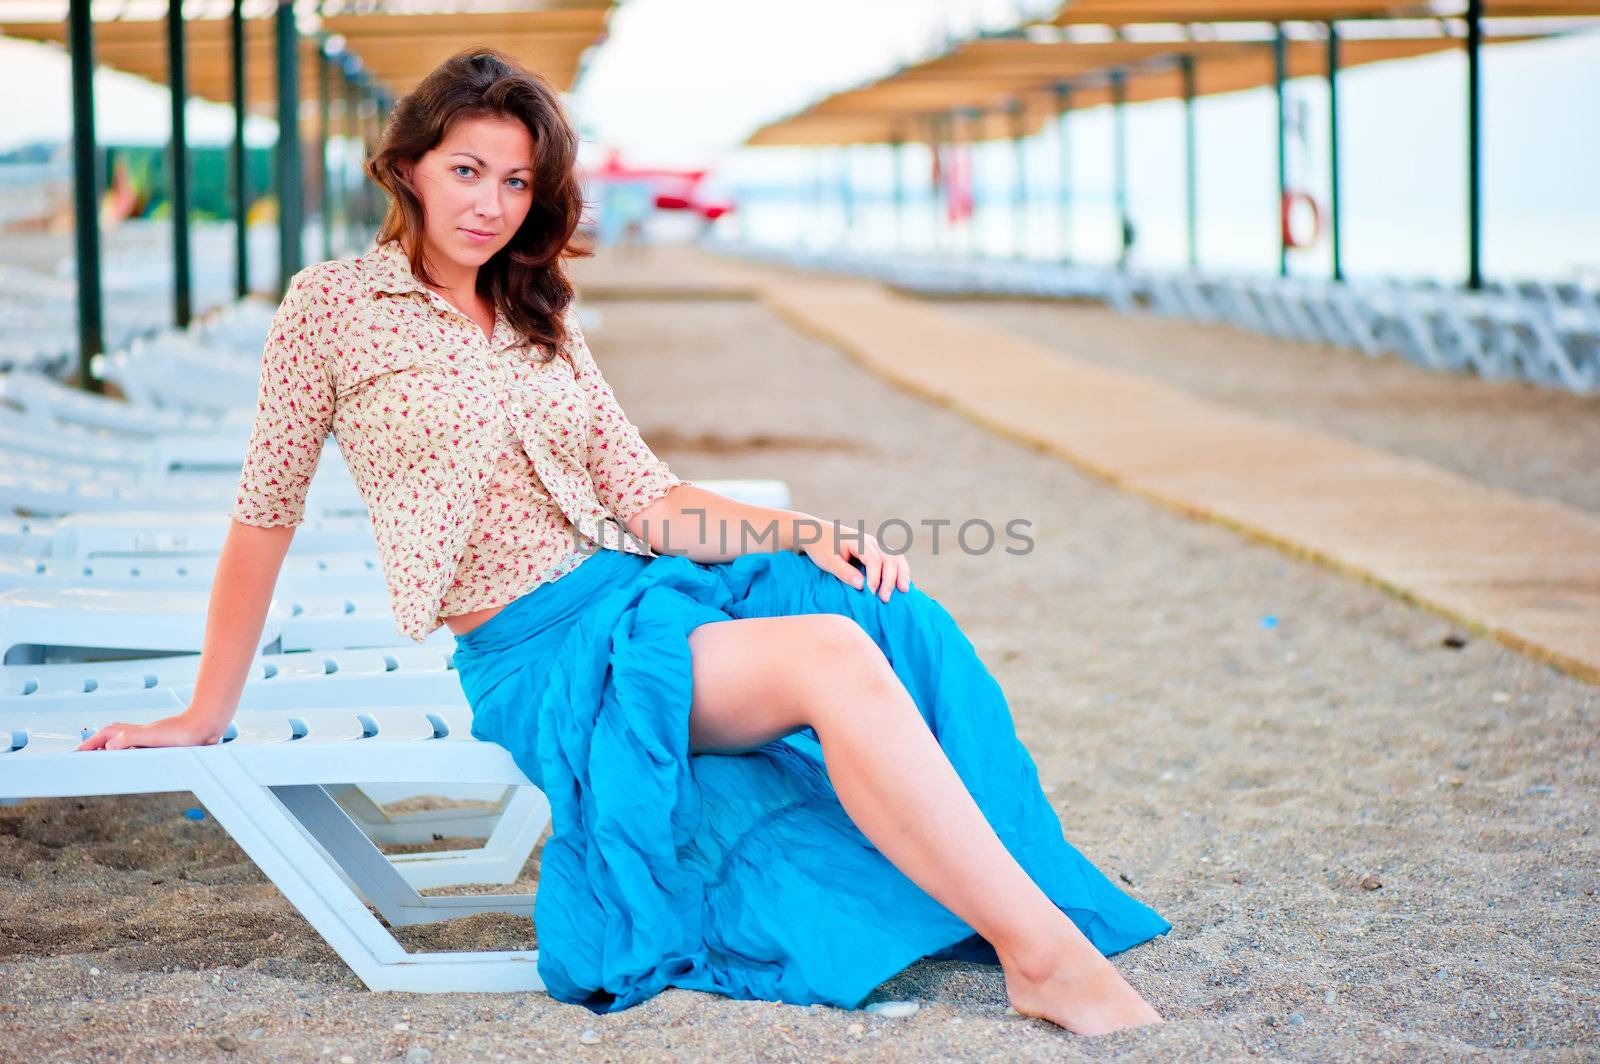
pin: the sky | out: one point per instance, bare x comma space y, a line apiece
684, 82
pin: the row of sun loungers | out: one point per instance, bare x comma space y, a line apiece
112, 513
1539, 331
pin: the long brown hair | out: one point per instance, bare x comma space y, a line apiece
524, 280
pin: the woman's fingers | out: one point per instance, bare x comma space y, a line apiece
872, 558
99, 739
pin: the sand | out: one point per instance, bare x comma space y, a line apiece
1372, 844
1513, 434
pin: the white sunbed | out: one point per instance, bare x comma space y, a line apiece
267, 785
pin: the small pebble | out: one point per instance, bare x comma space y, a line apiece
419, 1055
346, 1058
1500, 697
1295, 1019
256, 1033
1329, 998
402, 1026
856, 1030
94, 971
1370, 882
589, 1036
227, 1043
894, 1010
1463, 763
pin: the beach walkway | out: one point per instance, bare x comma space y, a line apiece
1525, 570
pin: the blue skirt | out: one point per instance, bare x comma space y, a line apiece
740, 874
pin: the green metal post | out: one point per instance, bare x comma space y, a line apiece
1333, 152
178, 163
324, 176
1119, 163
1280, 58
1020, 155
288, 156
1474, 145
897, 153
86, 192
1063, 94
241, 161
1191, 184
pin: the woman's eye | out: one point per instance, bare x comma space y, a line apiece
521, 184
463, 166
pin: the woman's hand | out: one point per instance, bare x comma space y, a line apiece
884, 571
178, 730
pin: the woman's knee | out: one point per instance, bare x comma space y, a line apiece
842, 659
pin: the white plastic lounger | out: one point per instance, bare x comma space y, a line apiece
267, 786
509, 822
176, 670
391, 676
143, 533
70, 622
52, 402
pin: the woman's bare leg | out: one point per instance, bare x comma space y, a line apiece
758, 679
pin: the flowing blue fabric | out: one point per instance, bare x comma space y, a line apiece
740, 874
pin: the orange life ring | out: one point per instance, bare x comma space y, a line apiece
1290, 198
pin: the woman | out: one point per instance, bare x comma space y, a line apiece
776, 768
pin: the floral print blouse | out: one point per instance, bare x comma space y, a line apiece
488, 465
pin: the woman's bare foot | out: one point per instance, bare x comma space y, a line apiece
1087, 996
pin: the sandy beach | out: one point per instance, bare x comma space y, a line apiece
1375, 840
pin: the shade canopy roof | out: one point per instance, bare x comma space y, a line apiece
396, 50
1131, 12
1003, 86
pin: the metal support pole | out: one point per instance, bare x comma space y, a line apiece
1333, 151
1119, 162
178, 164
241, 159
897, 153
847, 201
1191, 189
936, 161
1063, 94
324, 176
1280, 57
819, 194
1474, 146
86, 192
974, 140
1019, 148
288, 156
353, 139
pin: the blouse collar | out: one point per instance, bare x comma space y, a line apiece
387, 271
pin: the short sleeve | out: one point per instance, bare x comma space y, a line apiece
294, 410
627, 475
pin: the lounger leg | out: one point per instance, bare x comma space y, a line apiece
511, 830
261, 822
369, 869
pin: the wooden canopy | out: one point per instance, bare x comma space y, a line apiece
396, 50
1131, 12
998, 87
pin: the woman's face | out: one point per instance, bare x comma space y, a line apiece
476, 186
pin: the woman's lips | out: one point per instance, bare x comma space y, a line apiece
478, 235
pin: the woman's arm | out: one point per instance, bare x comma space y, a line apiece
241, 593
707, 527
294, 413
